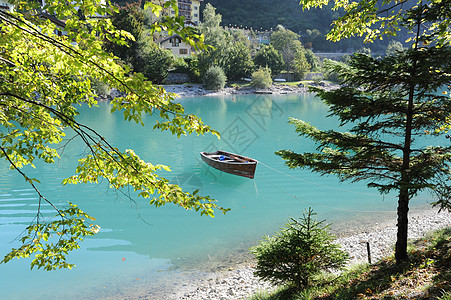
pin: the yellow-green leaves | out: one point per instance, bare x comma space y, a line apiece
45, 77
307, 4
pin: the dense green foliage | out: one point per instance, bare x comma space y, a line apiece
239, 64
130, 19
287, 43
44, 78
269, 57
215, 37
261, 78
140, 52
214, 78
268, 14
377, 20
297, 253
329, 73
391, 103
300, 65
155, 62
187, 65
229, 50
312, 60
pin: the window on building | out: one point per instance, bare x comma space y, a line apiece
175, 42
183, 51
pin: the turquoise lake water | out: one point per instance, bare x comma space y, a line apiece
143, 250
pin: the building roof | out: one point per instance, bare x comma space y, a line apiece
169, 37
53, 19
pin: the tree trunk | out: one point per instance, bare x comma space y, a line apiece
404, 192
401, 242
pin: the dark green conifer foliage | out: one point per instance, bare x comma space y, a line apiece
394, 105
300, 251
269, 57
129, 18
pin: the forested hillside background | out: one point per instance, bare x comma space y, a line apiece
267, 14
312, 25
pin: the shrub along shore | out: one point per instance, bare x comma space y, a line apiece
240, 283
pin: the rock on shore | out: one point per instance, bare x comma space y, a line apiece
241, 283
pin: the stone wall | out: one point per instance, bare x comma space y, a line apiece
177, 78
287, 76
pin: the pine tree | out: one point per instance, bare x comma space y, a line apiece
391, 104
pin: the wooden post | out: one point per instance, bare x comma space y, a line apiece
368, 251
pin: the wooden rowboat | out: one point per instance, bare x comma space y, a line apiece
230, 163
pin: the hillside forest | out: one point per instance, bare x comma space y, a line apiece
312, 25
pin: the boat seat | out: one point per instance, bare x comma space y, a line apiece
228, 159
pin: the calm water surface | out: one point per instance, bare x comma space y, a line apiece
142, 250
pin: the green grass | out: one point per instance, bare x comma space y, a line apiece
427, 275
290, 83
240, 84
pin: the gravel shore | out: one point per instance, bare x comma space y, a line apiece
198, 90
240, 283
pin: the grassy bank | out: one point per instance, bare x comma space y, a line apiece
427, 275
